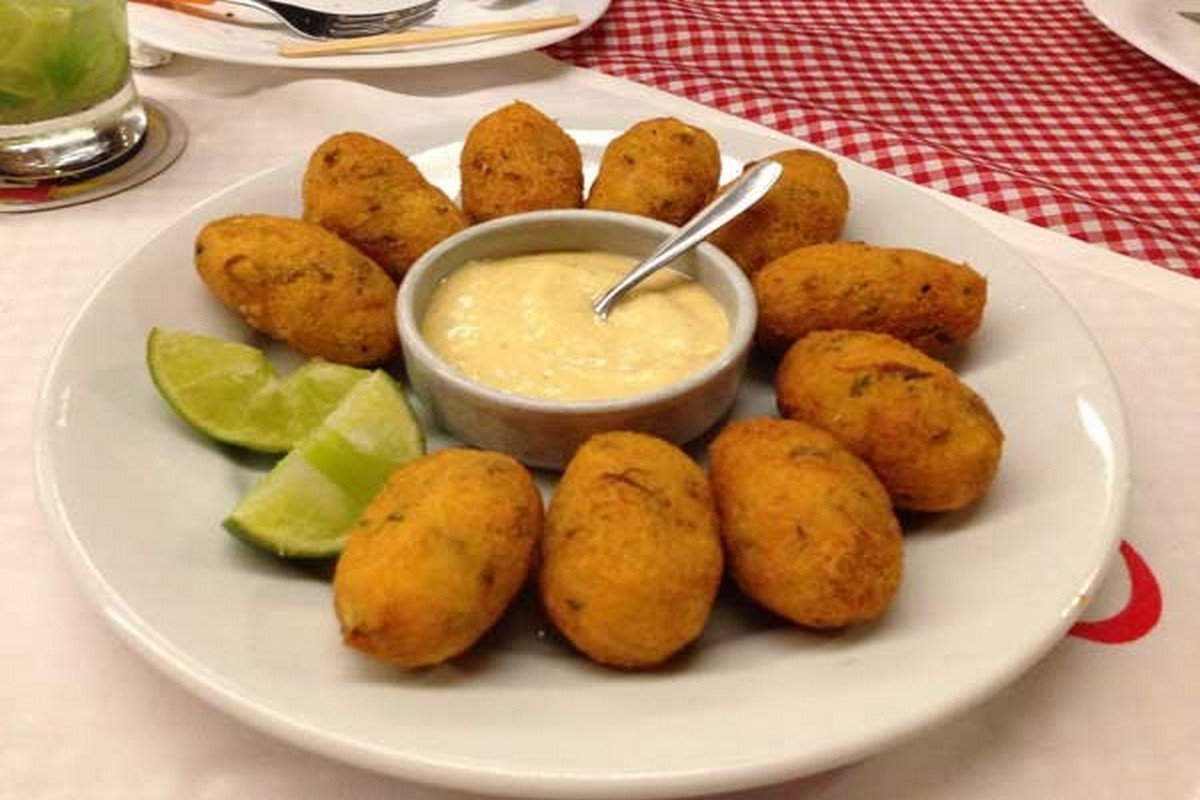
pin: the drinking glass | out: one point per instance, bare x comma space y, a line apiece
67, 99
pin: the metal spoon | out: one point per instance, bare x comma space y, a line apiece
741, 194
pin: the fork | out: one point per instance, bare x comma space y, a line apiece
314, 24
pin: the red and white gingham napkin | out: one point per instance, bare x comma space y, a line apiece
1029, 107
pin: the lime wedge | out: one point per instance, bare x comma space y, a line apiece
306, 505
229, 391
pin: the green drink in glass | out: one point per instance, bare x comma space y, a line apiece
67, 99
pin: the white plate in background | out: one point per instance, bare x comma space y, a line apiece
1155, 28
138, 498
256, 41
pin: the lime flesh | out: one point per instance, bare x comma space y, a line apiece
232, 393
306, 506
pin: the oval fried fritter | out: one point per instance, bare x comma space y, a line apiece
371, 195
932, 441
917, 297
301, 284
660, 168
808, 529
437, 556
631, 559
808, 205
517, 159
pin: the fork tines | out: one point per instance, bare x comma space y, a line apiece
384, 22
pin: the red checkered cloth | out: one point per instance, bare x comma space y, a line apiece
1029, 107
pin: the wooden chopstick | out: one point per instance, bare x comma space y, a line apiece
426, 36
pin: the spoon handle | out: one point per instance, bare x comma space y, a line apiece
743, 193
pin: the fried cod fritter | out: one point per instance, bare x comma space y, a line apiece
517, 159
371, 195
631, 559
917, 297
660, 168
301, 284
437, 556
932, 441
808, 529
808, 205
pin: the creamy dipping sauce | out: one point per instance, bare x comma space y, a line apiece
525, 325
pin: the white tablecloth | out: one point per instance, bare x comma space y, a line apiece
82, 716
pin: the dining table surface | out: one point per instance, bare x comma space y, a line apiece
1030, 117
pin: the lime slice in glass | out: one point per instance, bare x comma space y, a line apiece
231, 392
23, 95
95, 57
22, 84
306, 506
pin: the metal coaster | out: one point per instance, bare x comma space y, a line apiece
165, 139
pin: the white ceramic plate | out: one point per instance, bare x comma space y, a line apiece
138, 500
257, 36
1155, 28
